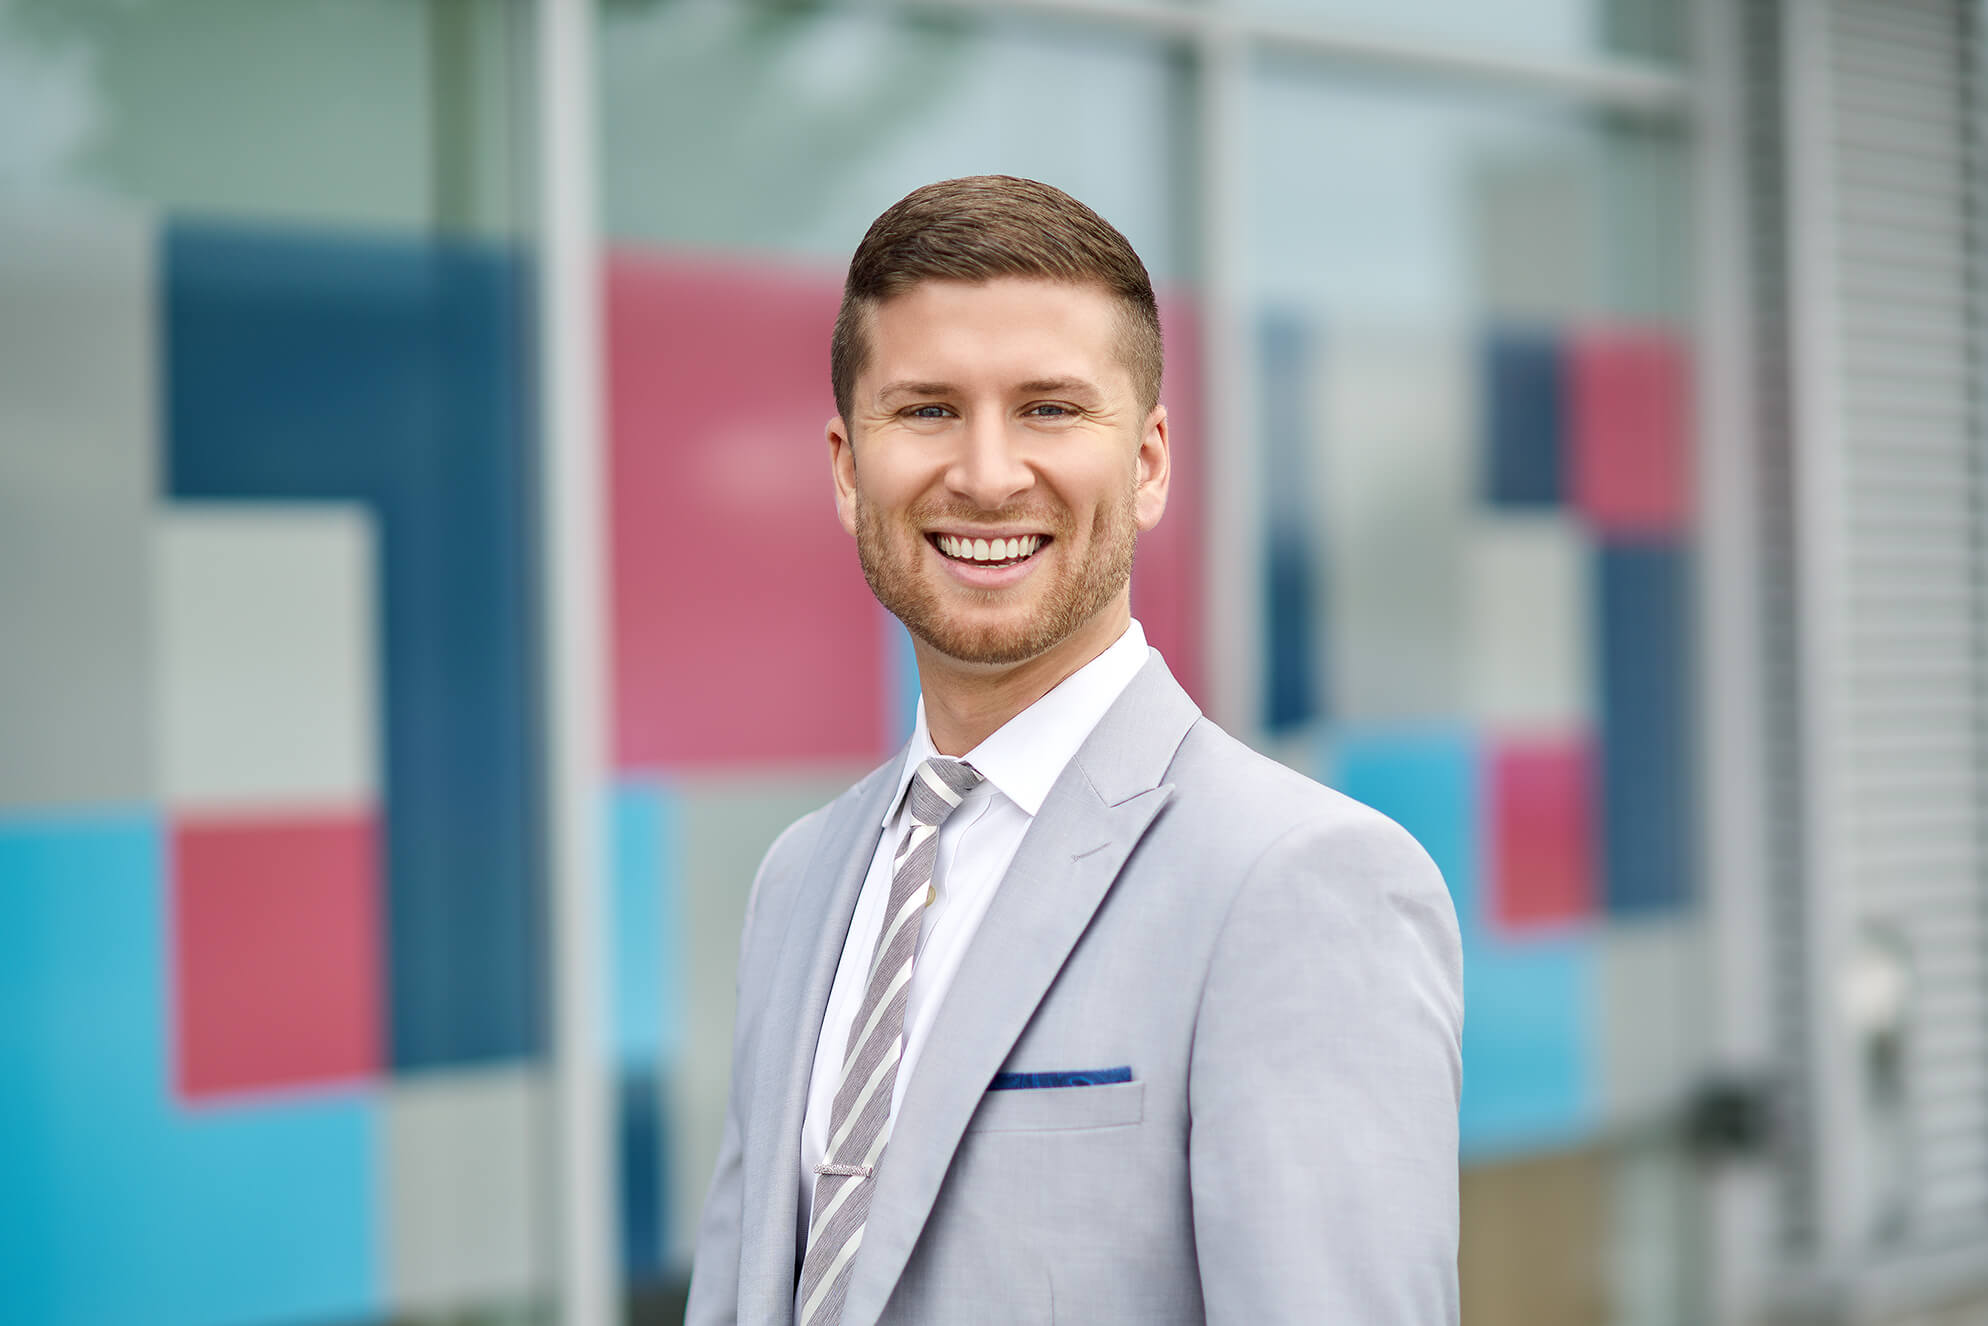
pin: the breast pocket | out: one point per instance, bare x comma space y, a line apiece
1048, 1109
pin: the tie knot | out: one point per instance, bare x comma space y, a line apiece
937, 787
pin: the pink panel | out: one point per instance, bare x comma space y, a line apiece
1166, 578
1629, 404
277, 952
743, 631
1542, 851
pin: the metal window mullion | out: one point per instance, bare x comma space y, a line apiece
1731, 755
572, 626
1230, 444
1842, 1184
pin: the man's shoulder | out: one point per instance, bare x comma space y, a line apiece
1249, 802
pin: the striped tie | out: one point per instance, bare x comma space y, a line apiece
859, 1121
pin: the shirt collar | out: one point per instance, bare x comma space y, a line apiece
1025, 756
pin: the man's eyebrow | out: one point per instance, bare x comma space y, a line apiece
1057, 387
1034, 387
891, 389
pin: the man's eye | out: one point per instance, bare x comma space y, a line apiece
926, 412
1049, 410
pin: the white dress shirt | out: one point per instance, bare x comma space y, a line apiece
1020, 762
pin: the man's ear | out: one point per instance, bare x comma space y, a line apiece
1155, 470
842, 469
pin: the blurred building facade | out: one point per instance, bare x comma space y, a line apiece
1582, 457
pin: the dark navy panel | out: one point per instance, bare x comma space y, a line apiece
641, 1126
1525, 423
306, 366
1290, 589
1644, 726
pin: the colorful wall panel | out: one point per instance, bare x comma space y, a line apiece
124, 1203
391, 372
1505, 536
264, 509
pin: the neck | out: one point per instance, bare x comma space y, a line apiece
965, 703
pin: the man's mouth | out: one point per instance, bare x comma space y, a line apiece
988, 552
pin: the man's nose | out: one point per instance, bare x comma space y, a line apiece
989, 468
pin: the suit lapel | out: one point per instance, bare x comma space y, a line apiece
1101, 806
817, 924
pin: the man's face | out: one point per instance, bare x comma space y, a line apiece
997, 464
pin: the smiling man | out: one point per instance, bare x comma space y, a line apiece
1077, 1009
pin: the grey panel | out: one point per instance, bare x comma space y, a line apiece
1398, 472
78, 393
465, 1195
728, 823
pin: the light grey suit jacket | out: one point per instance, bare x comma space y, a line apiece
1277, 964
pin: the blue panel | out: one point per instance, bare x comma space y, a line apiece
121, 1206
1290, 655
1644, 726
641, 1153
391, 371
901, 683
1528, 1045
645, 966
1525, 419
1427, 781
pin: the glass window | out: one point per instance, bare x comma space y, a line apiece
1472, 314
267, 896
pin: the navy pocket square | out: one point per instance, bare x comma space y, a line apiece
1089, 1077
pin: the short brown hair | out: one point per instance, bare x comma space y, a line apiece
987, 226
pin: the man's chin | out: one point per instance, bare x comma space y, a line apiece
987, 646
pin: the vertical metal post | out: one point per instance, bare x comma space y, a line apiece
1816, 410
1731, 760
572, 622
1235, 543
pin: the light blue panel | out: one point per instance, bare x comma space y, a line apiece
646, 966
901, 686
1426, 780
1529, 1081
122, 1206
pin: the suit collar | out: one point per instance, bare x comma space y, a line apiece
1101, 805
1024, 757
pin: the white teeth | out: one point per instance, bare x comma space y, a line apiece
989, 550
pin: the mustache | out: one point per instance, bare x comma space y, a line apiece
970, 516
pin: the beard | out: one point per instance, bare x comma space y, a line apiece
1081, 590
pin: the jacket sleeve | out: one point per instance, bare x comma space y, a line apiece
1324, 1083
714, 1276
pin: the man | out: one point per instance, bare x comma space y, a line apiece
1077, 1009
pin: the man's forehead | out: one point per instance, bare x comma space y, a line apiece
1044, 334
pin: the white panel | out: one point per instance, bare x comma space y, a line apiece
78, 402
1399, 410
267, 655
1528, 601
465, 1199
1650, 1017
